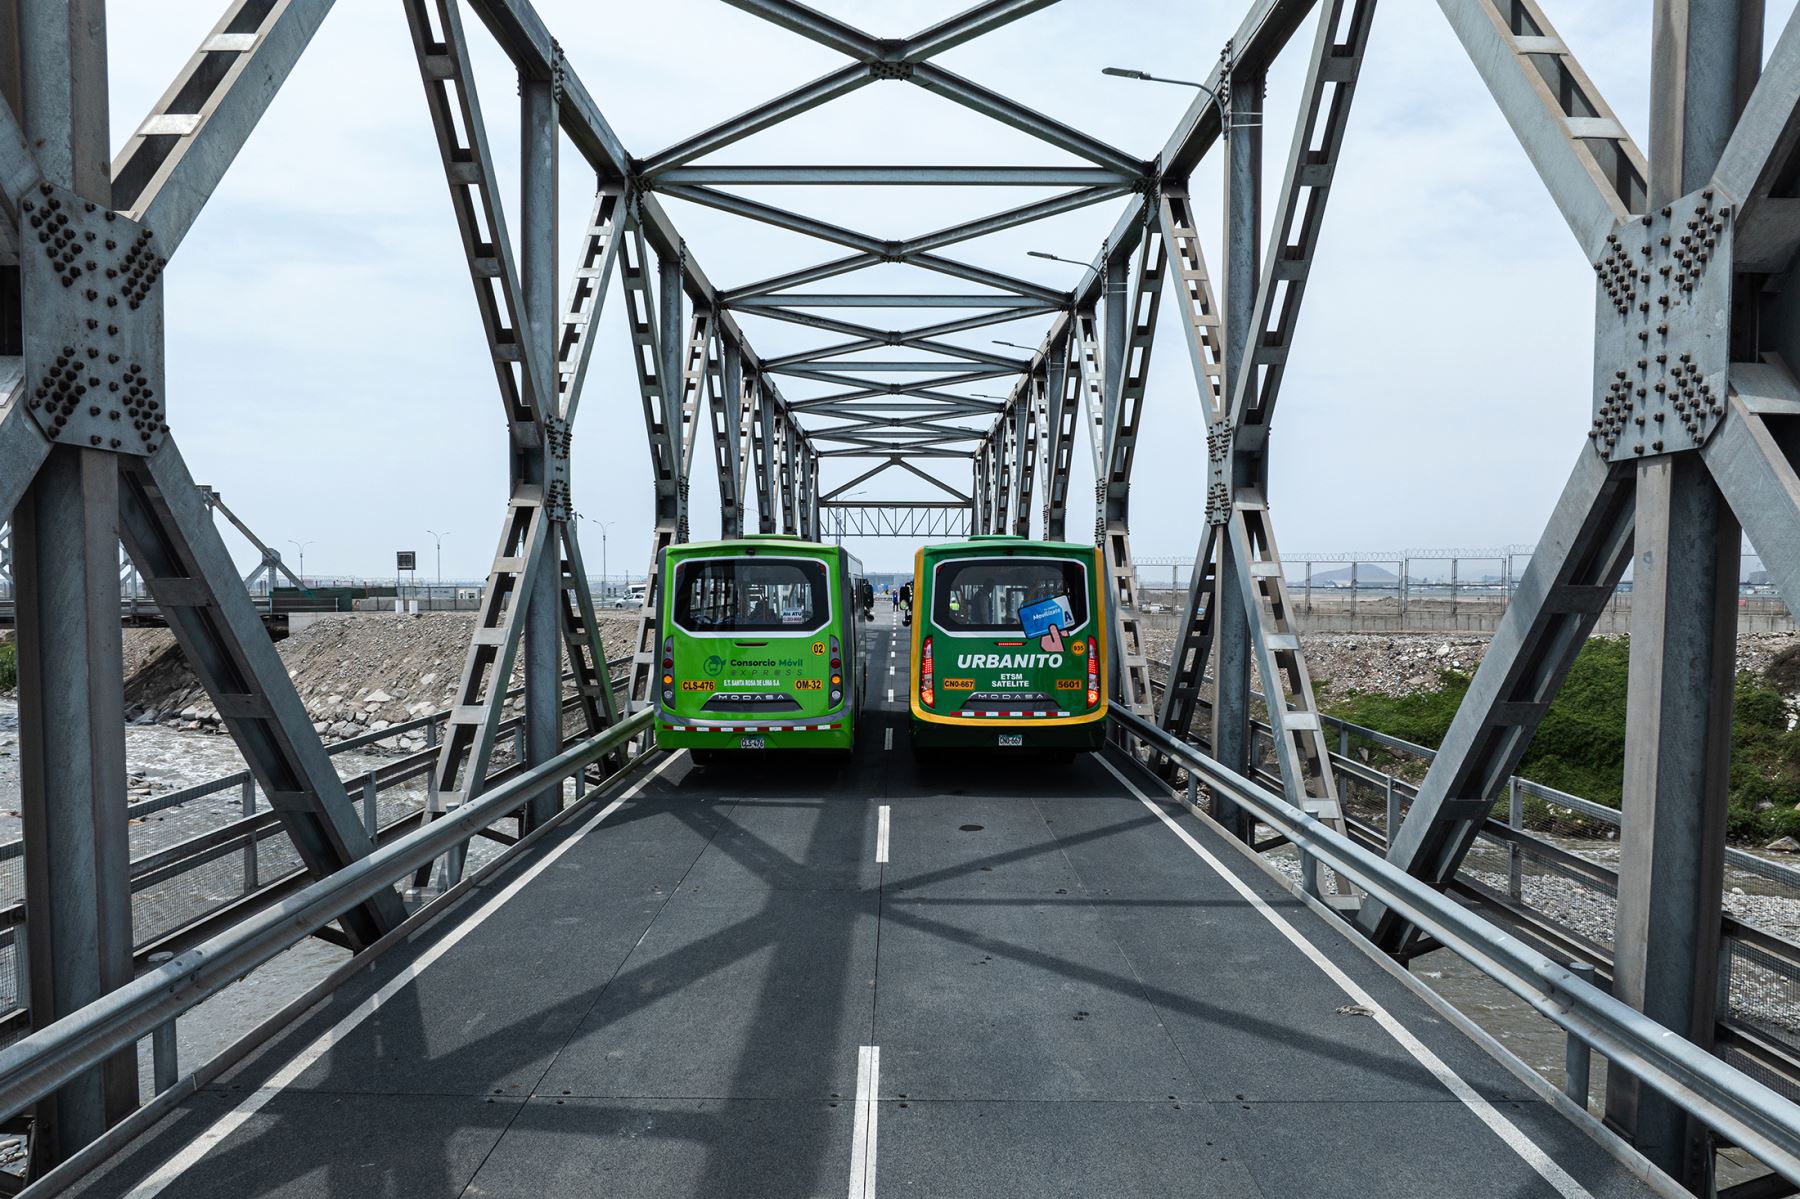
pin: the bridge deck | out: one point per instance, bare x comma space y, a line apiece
1046, 989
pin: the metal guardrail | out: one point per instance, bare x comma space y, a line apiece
1742, 859
1732, 1103
243, 836
225, 782
39, 1063
1778, 872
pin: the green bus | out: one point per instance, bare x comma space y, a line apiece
1009, 645
761, 646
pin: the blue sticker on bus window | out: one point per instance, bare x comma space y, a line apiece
1039, 617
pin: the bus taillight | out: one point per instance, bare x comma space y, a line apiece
668, 669
1093, 665
927, 693
837, 677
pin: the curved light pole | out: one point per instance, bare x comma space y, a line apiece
301, 546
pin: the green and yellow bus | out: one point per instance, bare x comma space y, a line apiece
1009, 645
761, 646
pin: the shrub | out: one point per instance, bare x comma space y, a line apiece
1580, 746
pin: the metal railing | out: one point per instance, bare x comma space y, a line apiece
270, 868
1519, 787
1738, 1107
48, 1058
1512, 875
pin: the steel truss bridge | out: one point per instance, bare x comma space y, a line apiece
667, 980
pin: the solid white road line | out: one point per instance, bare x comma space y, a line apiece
229, 1123
862, 1135
881, 833
1484, 1111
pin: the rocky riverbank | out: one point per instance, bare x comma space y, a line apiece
355, 674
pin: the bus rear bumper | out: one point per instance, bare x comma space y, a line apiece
930, 734
825, 735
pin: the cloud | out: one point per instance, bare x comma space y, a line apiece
328, 372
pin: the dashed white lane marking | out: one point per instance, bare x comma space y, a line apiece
881, 834
1484, 1111
887, 738
862, 1136
231, 1121
890, 695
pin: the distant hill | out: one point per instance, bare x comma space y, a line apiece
1367, 574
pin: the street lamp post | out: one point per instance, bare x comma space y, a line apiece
1128, 73
603, 526
439, 538
301, 546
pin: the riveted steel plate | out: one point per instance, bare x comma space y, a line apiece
93, 331
1663, 345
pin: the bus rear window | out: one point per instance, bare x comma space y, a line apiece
751, 595
985, 595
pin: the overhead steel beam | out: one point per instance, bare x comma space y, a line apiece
891, 300
967, 26
972, 95
959, 356
869, 338
860, 261
770, 113
774, 175
816, 26
1011, 218
810, 368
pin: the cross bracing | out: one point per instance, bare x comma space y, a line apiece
1693, 247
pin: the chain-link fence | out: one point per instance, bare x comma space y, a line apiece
1427, 591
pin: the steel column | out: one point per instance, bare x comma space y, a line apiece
65, 564
544, 635
72, 772
1243, 265
1683, 636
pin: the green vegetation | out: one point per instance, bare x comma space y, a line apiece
9, 666
1580, 747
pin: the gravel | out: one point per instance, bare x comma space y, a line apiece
1402, 663
355, 673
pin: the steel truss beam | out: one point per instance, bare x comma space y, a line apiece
75, 483
1238, 548
535, 594
890, 176
170, 166
890, 300
1062, 410
1593, 170
1691, 437
911, 521
1130, 332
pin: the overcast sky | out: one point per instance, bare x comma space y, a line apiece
327, 371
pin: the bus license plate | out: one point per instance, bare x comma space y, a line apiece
751, 743
1012, 738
